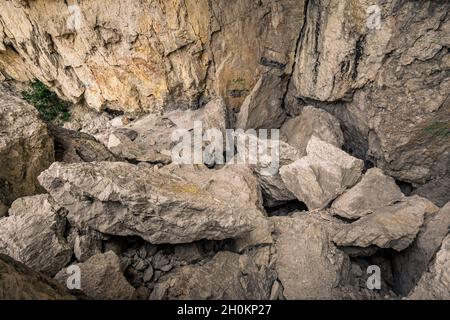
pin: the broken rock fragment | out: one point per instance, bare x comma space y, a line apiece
393, 227
227, 276
101, 277
174, 205
33, 234
322, 175
374, 191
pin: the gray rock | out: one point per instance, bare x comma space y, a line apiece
308, 264
18, 282
33, 234
374, 191
322, 175
393, 226
435, 283
435, 190
174, 205
410, 264
26, 148
87, 244
102, 278
148, 274
312, 122
227, 276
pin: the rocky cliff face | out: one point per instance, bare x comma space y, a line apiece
388, 83
351, 85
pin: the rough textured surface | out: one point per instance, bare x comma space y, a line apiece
410, 264
18, 282
26, 148
102, 278
312, 122
435, 283
33, 234
374, 191
393, 226
308, 264
227, 276
124, 199
322, 175
437, 190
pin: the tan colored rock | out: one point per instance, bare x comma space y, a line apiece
321, 176
33, 234
312, 122
26, 148
18, 282
374, 191
102, 278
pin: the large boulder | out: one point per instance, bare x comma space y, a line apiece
101, 277
308, 264
322, 175
170, 205
374, 191
18, 282
26, 148
312, 121
393, 227
435, 283
150, 138
33, 233
228, 276
410, 264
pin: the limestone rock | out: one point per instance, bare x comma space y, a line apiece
72, 146
435, 190
308, 264
227, 276
322, 175
26, 148
87, 243
150, 138
102, 278
410, 264
312, 122
374, 191
435, 283
33, 234
18, 282
393, 226
175, 205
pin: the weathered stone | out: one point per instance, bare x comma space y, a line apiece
322, 175
312, 122
26, 148
18, 282
174, 205
227, 276
150, 138
102, 278
87, 244
410, 264
435, 190
374, 191
393, 226
72, 146
308, 264
3, 210
435, 283
34, 234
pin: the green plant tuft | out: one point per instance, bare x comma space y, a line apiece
49, 105
439, 130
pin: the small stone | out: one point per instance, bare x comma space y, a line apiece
148, 274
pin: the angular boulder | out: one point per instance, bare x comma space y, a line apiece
321, 176
435, 283
174, 205
18, 282
101, 277
26, 148
312, 122
227, 276
393, 227
308, 264
374, 191
33, 234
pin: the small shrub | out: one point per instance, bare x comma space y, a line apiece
49, 105
439, 130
